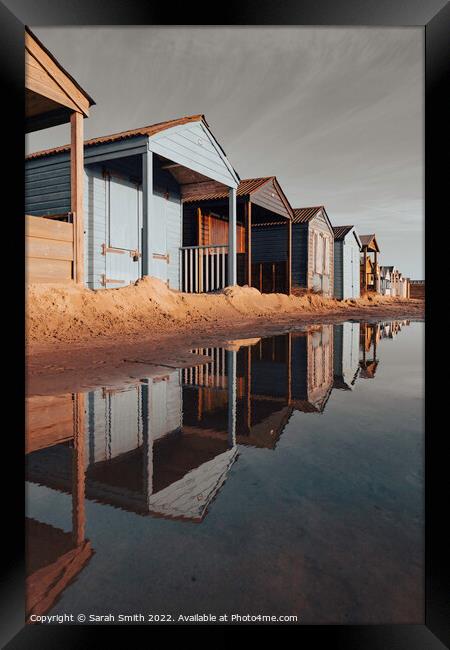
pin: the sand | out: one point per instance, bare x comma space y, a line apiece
78, 338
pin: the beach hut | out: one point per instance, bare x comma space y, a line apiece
264, 219
54, 250
135, 182
312, 250
345, 355
347, 246
386, 280
370, 270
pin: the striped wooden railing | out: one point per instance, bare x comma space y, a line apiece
208, 375
203, 268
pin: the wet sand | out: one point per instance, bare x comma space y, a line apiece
69, 366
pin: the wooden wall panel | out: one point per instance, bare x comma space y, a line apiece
48, 250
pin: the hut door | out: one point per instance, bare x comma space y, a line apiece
124, 247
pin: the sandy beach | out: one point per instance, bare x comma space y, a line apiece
78, 339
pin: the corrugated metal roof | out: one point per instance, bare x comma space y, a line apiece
303, 215
341, 231
245, 187
366, 240
123, 135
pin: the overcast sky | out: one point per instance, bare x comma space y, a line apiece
335, 113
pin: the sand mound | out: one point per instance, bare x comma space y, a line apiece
71, 313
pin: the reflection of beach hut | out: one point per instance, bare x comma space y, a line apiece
138, 457
135, 182
345, 355
55, 557
248, 387
370, 270
54, 250
369, 336
347, 248
312, 250
311, 368
263, 232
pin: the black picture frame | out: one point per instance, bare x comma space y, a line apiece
434, 16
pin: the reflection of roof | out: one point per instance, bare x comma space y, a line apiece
124, 135
303, 215
190, 496
52, 561
339, 383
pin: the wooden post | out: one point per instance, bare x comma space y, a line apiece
365, 269
147, 203
375, 274
289, 260
248, 241
232, 239
200, 241
76, 192
78, 474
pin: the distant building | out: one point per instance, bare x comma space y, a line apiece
347, 246
385, 280
417, 289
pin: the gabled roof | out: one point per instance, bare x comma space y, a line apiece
369, 241
33, 36
341, 231
246, 187
124, 135
303, 215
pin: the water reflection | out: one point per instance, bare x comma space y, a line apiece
165, 446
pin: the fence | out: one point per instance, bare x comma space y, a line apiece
49, 249
203, 268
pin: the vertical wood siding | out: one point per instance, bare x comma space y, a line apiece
338, 270
95, 216
300, 254
270, 244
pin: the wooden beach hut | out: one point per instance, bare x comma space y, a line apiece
54, 247
313, 250
264, 219
347, 246
370, 269
135, 182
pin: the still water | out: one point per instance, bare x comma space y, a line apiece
283, 477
